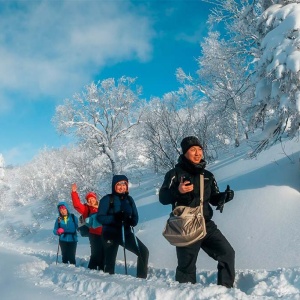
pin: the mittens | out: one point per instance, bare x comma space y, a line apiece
59, 231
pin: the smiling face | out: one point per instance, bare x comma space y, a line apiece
63, 210
92, 201
121, 187
194, 154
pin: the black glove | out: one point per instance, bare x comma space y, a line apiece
224, 198
128, 221
230, 194
120, 216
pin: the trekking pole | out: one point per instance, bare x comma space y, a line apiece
57, 252
136, 242
137, 245
221, 203
123, 238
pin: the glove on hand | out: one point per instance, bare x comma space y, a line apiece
226, 197
230, 194
120, 216
128, 221
60, 231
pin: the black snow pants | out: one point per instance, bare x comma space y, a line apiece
97, 252
217, 247
68, 252
111, 251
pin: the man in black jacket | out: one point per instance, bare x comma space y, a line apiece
181, 186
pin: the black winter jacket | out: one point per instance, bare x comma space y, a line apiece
169, 193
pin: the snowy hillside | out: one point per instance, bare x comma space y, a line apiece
262, 224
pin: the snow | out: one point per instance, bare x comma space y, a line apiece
262, 91
262, 224
277, 70
278, 51
297, 96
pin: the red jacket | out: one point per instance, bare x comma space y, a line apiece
85, 210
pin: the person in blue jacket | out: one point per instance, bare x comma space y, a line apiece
66, 228
118, 214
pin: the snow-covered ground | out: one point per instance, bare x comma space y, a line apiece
262, 223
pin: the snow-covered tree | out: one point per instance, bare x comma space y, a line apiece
162, 130
264, 35
48, 177
4, 187
223, 84
1, 167
166, 121
277, 98
102, 116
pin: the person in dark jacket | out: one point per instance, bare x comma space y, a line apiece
181, 186
118, 214
95, 234
66, 228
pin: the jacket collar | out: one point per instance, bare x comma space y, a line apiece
188, 166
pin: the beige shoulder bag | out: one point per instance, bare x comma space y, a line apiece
186, 225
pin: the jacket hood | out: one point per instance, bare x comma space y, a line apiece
116, 179
63, 203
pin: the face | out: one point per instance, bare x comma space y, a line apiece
92, 201
194, 154
121, 187
63, 211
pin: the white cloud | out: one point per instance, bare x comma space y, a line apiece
55, 47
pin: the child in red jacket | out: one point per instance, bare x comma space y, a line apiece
95, 234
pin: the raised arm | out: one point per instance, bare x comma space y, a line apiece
80, 207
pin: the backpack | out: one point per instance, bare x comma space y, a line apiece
83, 228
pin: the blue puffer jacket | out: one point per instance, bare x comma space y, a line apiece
112, 227
69, 225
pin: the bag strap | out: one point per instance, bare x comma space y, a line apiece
201, 193
111, 203
73, 218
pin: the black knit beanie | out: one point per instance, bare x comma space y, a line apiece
188, 142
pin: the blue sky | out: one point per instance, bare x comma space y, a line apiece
51, 49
